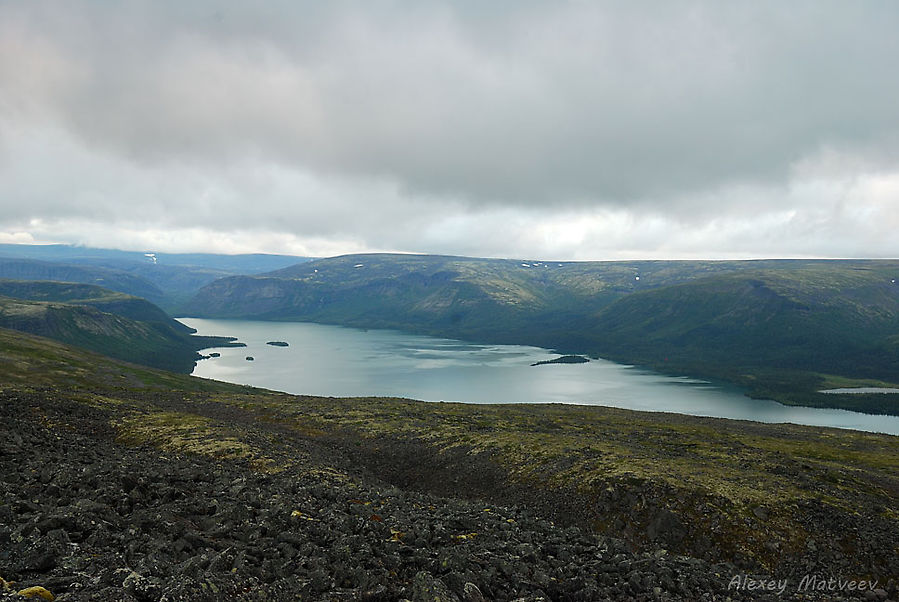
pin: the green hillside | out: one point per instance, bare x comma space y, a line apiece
482, 299
811, 318
779, 333
93, 318
105, 300
783, 328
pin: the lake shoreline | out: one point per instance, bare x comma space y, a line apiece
860, 391
340, 361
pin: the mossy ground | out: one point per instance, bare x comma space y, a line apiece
751, 492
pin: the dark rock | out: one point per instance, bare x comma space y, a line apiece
140, 587
472, 593
427, 588
153, 526
565, 359
667, 527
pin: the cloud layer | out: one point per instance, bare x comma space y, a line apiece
550, 129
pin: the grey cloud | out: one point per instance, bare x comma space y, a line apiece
570, 129
538, 103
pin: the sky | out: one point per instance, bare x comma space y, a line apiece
527, 129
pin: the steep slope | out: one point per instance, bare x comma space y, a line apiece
789, 326
28, 360
422, 289
534, 302
472, 298
156, 344
105, 300
800, 317
178, 283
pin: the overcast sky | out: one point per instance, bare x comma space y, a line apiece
555, 130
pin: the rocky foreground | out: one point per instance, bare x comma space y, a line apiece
88, 518
125, 483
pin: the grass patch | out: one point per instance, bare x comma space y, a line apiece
189, 433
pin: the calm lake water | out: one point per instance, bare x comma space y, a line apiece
342, 362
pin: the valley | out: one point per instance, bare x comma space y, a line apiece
127, 480
782, 329
449, 301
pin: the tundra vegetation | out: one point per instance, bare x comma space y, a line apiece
509, 499
112, 323
123, 481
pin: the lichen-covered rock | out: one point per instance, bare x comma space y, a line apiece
134, 523
37, 592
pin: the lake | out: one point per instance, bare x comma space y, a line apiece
345, 362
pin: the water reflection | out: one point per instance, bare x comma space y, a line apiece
337, 361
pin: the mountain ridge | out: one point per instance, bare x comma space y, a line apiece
837, 317
168, 279
117, 280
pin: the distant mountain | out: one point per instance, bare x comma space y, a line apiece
116, 280
253, 263
485, 299
808, 318
481, 299
467, 297
103, 321
776, 326
169, 279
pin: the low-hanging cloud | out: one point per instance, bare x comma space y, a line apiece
641, 128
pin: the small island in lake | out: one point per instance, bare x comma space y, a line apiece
565, 359
278, 343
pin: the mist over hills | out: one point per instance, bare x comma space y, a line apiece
117, 280
168, 279
248, 263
